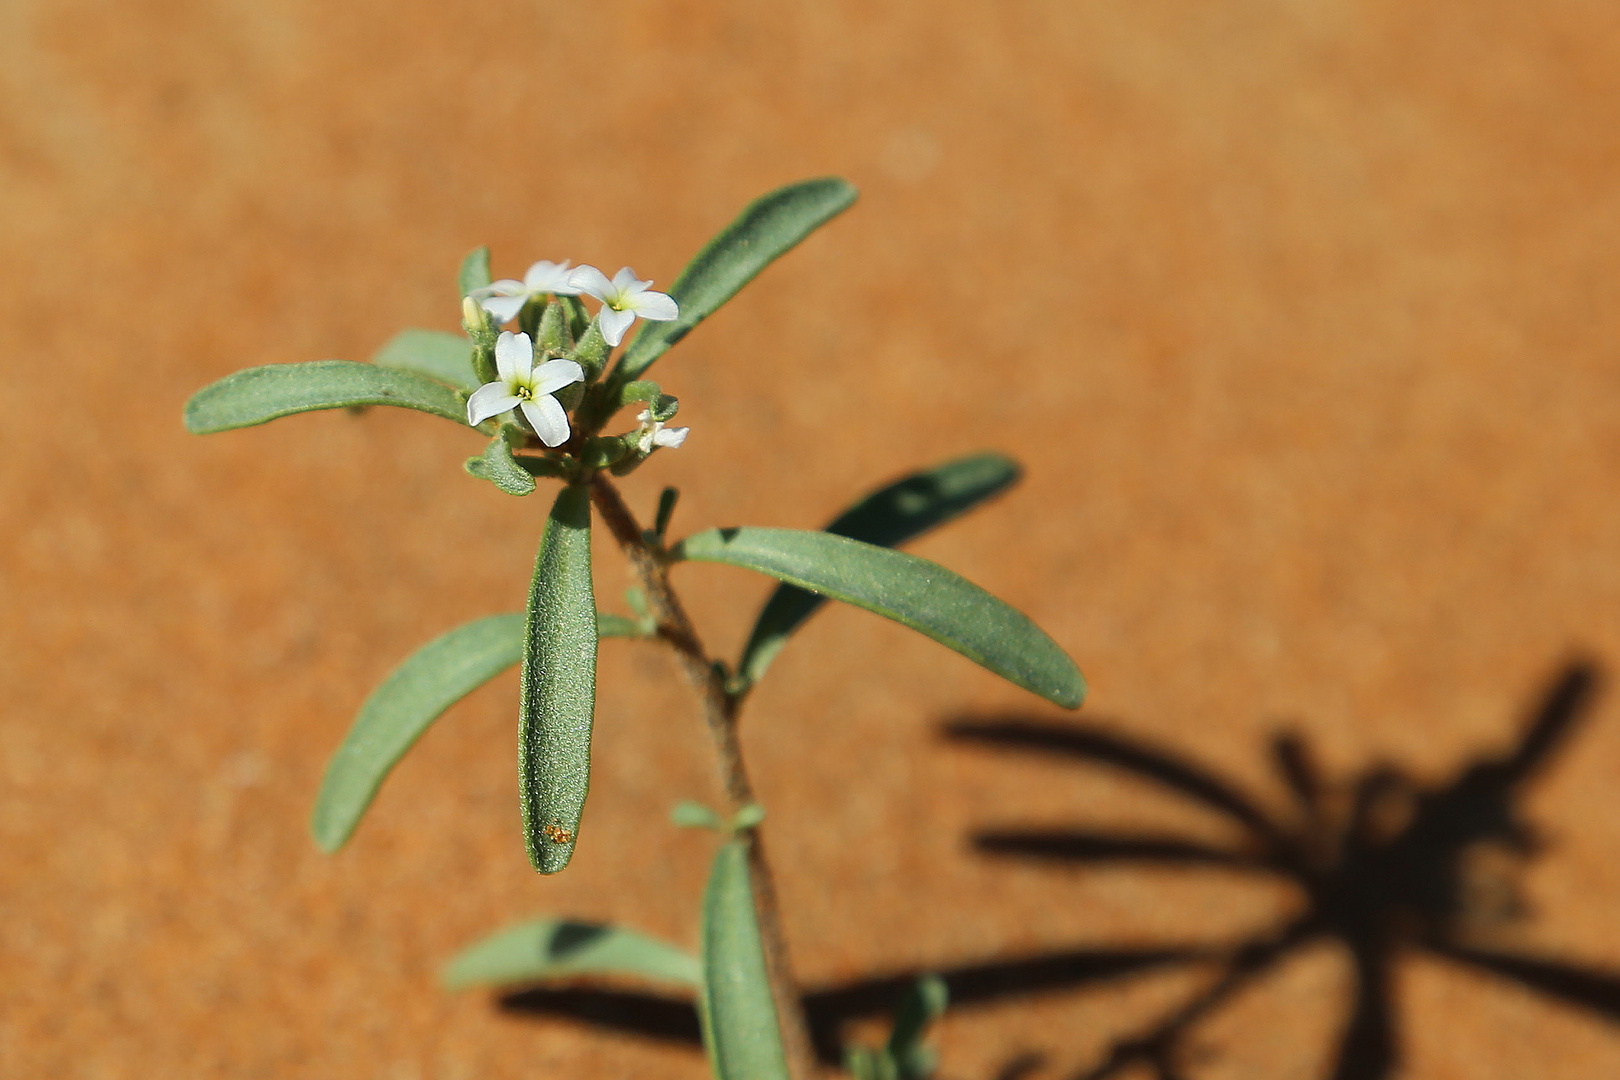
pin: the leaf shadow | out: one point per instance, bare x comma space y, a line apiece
667, 1018
1384, 865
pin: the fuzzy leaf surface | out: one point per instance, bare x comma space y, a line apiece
563, 948
913, 592
259, 394
503, 470
888, 517
739, 1017
557, 685
767, 228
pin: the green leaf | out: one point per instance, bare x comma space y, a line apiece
592, 351
887, 517
767, 228
664, 407
600, 451
418, 692
500, 468
666, 509
562, 948
474, 270
740, 1024
641, 390
432, 679
694, 815
748, 817
864, 1063
557, 687
553, 333
259, 394
904, 1056
923, 1004
913, 592
615, 626
438, 354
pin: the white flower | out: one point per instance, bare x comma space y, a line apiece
503, 299
523, 385
623, 299
654, 433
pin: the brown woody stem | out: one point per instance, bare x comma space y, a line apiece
720, 710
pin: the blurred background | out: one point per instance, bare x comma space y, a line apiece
1299, 313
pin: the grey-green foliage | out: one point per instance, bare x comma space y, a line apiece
740, 1027
905, 1056
259, 394
432, 679
498, 465
914, 592
439, 354
405, 704
549, 949
474, 270
557, 687
888, 517
694, 815
768, 227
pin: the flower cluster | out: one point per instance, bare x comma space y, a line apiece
624, 298
528, 387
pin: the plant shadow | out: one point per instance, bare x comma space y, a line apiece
1385, 866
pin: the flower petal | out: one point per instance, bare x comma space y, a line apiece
549, 418
589, 280
613, 324
545, 275
657, 306
670, 436
503, 309
553, 375
626, 281
504, 287
514, 356
489, 400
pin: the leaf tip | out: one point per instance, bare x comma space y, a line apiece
454, 975
329, 833
550, 848
847, 191
1072, 693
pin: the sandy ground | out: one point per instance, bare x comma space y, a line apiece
1300, 314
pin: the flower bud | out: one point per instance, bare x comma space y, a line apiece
473, 318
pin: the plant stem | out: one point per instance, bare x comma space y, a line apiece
720, 710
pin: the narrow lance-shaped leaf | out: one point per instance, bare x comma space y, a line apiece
418, 692
558, 685
435, 677
768, 227
739, 1016
438, 354
562, 948
913, 592
887, 517
259, 394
